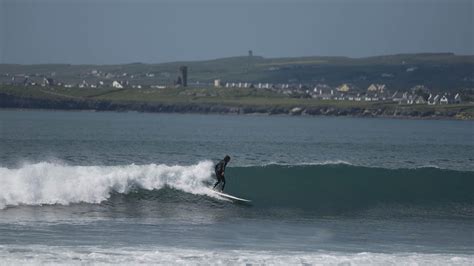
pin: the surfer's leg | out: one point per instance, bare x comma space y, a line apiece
223, 183
217, 183
219, 179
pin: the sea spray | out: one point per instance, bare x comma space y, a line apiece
56, 183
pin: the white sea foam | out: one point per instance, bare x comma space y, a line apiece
33, 255
57, 183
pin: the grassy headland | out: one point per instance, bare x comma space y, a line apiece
213, 100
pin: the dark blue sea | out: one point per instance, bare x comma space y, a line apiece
129, 188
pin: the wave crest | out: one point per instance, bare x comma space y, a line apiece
56, 183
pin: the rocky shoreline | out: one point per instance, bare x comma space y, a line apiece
11, 101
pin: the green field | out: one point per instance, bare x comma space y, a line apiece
221, 96
257, 100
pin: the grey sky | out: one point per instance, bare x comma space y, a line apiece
108, 32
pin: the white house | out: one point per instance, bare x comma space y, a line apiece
432, 100
117, 85
444, 100
411, 99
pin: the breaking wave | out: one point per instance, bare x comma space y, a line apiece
336, 186
56, 183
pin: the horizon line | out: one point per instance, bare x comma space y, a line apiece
244, 56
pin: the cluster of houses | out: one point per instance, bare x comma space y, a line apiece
91, 79
33, 81
433, 99
345, 92
48, 82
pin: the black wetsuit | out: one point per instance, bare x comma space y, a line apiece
220, 169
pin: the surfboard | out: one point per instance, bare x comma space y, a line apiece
230, 197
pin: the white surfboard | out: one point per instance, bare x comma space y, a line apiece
230, 197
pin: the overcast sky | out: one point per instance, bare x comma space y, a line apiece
109, 32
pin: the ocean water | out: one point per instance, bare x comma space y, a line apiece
127, 188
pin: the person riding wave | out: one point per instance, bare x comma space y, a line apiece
220, 171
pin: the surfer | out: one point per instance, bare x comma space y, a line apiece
220, 171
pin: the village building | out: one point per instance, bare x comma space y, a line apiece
343, 88
397, 96
157, 86
411, 99
117, 85
457, 98
420, 100
83, 84
47, 82
377, 88
444, 100
432, 100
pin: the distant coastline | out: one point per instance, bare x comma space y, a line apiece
242, 106
420, 86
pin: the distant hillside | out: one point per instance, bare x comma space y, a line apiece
439, 72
